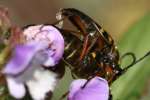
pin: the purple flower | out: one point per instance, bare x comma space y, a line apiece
96, 89
44, 46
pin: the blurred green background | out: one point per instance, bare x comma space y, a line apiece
128, 21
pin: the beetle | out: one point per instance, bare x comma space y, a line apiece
95, 48
97, 52
90, 51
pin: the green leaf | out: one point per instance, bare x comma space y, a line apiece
137, 40
63, 85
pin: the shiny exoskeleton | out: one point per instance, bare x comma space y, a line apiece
90, 51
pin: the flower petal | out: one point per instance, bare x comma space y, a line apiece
51, 35
38, 80
21, 57
16, 88
44, 46
57, 42
96, 89
49, 62
43, 81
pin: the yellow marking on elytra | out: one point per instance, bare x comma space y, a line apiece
93, 54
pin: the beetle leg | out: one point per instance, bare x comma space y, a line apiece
91, 77
110, 96
91, 45
64, 95
88, 80
95, 73
75, 33
71, 54
108, 40
70, 67
85, 46
68, 45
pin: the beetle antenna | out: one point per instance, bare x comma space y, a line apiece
134, 59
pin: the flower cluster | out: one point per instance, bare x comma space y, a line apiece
43, 47
27, 70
